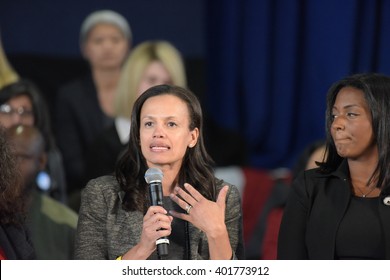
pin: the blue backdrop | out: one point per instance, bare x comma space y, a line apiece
271, 62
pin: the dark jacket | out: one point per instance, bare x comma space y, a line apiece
16, 243
105, 230
79, 120
103, 154
315, 208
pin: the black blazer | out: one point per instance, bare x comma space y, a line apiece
103, 154
316, 205
79, 120
16, 243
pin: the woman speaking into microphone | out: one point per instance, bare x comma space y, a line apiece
200, 215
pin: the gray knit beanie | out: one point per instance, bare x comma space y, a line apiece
104, 16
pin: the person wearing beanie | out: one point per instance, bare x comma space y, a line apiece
84, 107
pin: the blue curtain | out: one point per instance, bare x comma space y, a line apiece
271, 62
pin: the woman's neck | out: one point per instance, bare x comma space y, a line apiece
361, 173
170, 180
106, 79
106, 83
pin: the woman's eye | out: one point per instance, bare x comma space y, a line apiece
98, 41
147, 124
116, 40
352, 115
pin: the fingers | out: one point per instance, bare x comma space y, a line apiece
194, 193
206, 215
156, 224
183, 199
154, 210
156, 219
182, 216
183, 204
193, 197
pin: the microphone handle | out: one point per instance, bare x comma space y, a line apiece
156, 198
156, 194
162, 246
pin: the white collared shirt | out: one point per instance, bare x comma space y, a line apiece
122, 126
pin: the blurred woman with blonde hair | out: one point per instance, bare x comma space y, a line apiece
7, 73
149, 64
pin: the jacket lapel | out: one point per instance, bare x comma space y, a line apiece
328, 210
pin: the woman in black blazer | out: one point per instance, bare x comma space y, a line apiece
84, 107
341, 210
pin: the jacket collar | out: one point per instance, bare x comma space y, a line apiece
341, 172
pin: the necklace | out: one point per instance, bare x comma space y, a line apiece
362, 193
367, 193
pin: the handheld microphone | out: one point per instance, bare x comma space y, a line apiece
153, 176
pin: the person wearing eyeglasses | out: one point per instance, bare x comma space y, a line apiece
17, 110
21, 103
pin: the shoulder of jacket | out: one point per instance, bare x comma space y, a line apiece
106, 184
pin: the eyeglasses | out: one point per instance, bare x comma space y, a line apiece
7, 110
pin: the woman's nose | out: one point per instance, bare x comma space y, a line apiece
16, 119
338, 123
158, 132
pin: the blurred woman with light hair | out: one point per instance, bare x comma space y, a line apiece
149, 64
7, 73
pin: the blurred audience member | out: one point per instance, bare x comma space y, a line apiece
15, 241
150, 63
52, 224
22, 103
313, 154
264, 239
85, 106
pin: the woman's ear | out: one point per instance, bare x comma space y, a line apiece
194, 137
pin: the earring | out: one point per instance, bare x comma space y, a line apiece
43, 181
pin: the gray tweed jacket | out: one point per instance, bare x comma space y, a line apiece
106, 231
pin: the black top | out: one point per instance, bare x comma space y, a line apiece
360, 234
16, 242
103, 153
79, 120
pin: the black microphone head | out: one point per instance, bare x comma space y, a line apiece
153, 175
